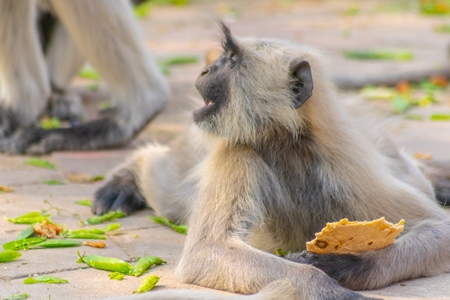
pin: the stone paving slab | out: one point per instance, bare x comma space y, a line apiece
190, 30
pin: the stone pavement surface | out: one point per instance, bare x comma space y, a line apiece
190, 30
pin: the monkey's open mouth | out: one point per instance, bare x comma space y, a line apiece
210, 108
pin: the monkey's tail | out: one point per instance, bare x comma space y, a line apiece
438, 172
277, 290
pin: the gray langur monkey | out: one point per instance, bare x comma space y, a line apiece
272, 156
102, 32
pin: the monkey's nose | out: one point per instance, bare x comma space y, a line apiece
204, 71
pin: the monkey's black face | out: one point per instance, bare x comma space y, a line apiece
213, 84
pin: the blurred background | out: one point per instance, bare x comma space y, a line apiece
392, 54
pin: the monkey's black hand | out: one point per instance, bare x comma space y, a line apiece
120, 193
349, 270
8, 122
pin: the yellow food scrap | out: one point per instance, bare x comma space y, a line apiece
95, 244
345, 237
422, 156
6, 189
47, 229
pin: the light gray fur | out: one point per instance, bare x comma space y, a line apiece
261, 175
101, 32
113, 44
24, 81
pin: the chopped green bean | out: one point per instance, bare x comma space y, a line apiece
112, 227
29, 218
144, 263
116, 276
106, 217
54, 182
37, 162
86, 235
17, 297
23, 244
26, 233
57, 243
85, 202
86, 230
147, 284
401, 55
44, 279
9, 255
163, 221
105, 263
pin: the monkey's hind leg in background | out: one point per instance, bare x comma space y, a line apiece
107, 35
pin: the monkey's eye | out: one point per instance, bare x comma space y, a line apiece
233, 59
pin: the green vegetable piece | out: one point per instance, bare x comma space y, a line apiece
22, 244
40, 163
413, 117
88, 72
86, 235
29, 218
26, 233
106, 217
17, 297
112, 227
9, 255
93, 87
164, 69
440, 117
142, 10
444, 28
50, 123
401, 55
85, 202
54, 182
86, 230
105, 263
280, 252
178, 60
97, 178
144, 263
116, 276
147, 284
57, 243
163, 221
44, 279
400, 104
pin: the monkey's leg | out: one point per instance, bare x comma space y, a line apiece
108, 36
421, 251
64, 61
235, 190
24, 85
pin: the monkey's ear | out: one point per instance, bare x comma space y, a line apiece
303, 82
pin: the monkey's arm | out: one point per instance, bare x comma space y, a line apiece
233, 188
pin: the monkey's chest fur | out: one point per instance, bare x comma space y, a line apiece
313, 194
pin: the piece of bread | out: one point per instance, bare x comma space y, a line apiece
346, 237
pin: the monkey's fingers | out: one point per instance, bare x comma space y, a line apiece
338, 267
121, 193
